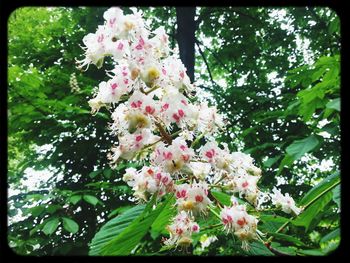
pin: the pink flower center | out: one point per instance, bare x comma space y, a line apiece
120, 46
195, 228
184, 102
178, 194
181, 113
124, 73
164, 71
114, 85
179, 231
165, 180
158, 176
136, 104
176, 117
245, 184
241, 222
183, 193
199, 198
182, 74
112, 21
100, 38
149, 109
126, 81
183, 147
167, 156
138, 138
185, 157
210, 154
165, 106
150, 171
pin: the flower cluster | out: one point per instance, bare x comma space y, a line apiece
181, 230
159, 122
235, 170
192, 198
286, 202
148, 180
238, 221
73, 83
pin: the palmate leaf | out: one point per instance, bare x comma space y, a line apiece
123, 233
306, 217
127, 240
113, 228
288, 238
164, 218
298, 148
328, 183
257, 249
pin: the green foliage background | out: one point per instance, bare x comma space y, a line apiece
280, 121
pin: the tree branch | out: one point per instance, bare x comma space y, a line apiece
215, 56
207, 65
166, 137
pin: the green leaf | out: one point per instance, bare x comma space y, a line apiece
259, 249
53, 208
223, 198
36, 210
269, 162
113, 228
70, 225
118, 210
271, 222
128, 239
332, 128
108, 172
305, 218
327, 184
286, 161
91, 199
336, 195
288, 238
94, 173
330, 236
51, 226
311, 252
273, 218
299, 147
163, 219
292, 251
334, 104
74, 199
334, 26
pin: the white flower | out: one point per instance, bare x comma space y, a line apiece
200, 170
148, 181
247, 186
236, 220
173, 157
193, 198
286, 202
209, 119
207, 240
181, 230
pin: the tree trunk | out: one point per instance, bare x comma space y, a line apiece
185, 36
